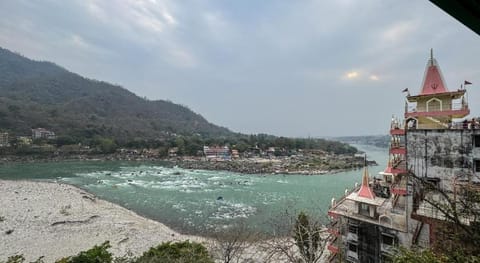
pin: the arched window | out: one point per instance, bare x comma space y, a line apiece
434, 104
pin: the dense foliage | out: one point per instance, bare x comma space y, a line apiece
191, 144
180, 252
427, 256
97, 254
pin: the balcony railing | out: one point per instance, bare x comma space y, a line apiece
456, 108
352, 237
398, 189
397, 149
347, 193
397, 131
459, 125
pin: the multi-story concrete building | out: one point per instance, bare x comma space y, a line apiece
217, 153
429, 149
4, 139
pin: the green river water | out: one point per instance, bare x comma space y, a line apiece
187, 200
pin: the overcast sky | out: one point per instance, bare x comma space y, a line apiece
291, 68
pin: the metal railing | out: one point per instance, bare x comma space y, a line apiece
437, 107
344, 196
467, 124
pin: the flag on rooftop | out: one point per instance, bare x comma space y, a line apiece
467, 82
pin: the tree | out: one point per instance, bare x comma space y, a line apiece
180, 143
231, 245
308, 239
305, 240
105, 145
179, 252
458, 229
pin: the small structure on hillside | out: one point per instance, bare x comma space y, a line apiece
42, 133
4, 139
173, 152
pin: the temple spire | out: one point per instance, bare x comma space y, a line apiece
431, 57
365, 190
433, 82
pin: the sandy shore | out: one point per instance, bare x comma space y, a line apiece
57, 220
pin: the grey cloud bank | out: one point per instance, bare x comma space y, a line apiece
292, 68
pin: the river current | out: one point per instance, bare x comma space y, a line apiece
196, 201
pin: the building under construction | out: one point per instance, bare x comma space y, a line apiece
436, 146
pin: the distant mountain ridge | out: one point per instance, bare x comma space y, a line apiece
42, 94
382, 141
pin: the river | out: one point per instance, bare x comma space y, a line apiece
195, 201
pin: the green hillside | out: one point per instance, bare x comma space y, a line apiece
42, 94
37, 94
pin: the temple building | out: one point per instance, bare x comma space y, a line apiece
435, 147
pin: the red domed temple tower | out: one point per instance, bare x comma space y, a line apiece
435, 107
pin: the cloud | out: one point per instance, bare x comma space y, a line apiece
352, 75
182, 58
79, 42
400, 31
274, 66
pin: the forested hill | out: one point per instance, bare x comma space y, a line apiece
42, 94
37, 94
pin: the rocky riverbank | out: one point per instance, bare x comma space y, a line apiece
57, 220
307, 165
272, 165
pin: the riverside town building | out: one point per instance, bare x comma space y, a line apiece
4, 139
437, 143
217, 153
41, 133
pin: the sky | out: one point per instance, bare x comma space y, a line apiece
289, 68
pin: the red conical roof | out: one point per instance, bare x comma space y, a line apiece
389, 169
433, 82
365, 190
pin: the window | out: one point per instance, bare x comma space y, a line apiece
353, 229
352, 247
476, 166
364, 209
476, 140
387, 239
433, 182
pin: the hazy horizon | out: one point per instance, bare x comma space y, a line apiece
302, 69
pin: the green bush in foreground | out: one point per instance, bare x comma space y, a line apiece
97, 254
184, 252
427, 256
